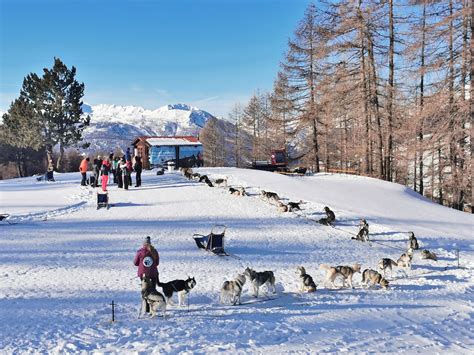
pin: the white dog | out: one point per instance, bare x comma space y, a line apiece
232, 290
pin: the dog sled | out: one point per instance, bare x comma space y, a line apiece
213, 242
103, 200
4, 218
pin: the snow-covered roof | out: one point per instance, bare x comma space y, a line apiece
159, 141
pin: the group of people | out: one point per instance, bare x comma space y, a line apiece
120, 168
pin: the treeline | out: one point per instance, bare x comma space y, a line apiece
379, 88
47, 113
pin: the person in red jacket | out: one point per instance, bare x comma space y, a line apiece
104, 172
83, 169
147, 259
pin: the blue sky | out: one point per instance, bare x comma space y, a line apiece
149, 53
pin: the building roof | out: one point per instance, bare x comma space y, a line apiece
168, 141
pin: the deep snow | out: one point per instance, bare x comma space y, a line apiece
65, 261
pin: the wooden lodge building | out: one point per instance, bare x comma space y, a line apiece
157, 151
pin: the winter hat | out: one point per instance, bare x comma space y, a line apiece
147, 240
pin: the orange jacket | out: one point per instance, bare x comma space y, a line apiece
84, 166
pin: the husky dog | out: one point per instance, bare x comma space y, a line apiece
294, 206
152, 297
219, 182
374, 278
240, 191
386, 263
270, 196
282, 207
195, 176
363, 234
412, 241
347, 272
405, 259
330, 217
182, 287
187, 172
259, 279
306, 281
231, 290
205, 179
426, 254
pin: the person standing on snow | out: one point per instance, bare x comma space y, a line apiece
147, 259
125, 175
138, 167
83, 169
104, 172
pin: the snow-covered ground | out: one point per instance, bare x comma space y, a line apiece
65, 261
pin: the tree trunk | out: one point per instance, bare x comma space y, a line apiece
391, 51
422, 98
59, 162
376, 105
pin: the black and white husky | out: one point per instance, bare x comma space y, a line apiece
306, 281
363, 234
232, 290
386, 264
258, 279
347, 272
152, 297
270, 196
221, 181
412, 241
374, 278
181, 287
240, 191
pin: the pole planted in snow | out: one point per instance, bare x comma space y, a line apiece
113, 311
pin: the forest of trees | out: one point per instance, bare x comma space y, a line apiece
373, 87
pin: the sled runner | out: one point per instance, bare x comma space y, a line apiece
213, 242
102, 200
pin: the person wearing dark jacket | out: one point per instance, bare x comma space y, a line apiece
138, 167
104, 172
147, 259
125, 174
330, 217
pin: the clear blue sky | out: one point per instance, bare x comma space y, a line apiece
208, 53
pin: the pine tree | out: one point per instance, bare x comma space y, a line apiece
21, 132
57, 101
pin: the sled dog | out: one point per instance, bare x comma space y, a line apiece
232, 290
347, 272
373, 277
239, 191
270, 196
363, 234
258, 279
306, 281
195, 176
282, 207
221, 181
294, 206
412, 241
386, 264
205, 179
181, 287
426, 254
152, 297
405, 259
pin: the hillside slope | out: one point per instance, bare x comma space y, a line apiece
65, 261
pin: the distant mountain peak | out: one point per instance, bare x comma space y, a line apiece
115, 125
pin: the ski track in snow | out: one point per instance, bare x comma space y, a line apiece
65, 261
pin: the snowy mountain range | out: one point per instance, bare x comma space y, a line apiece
114, 126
